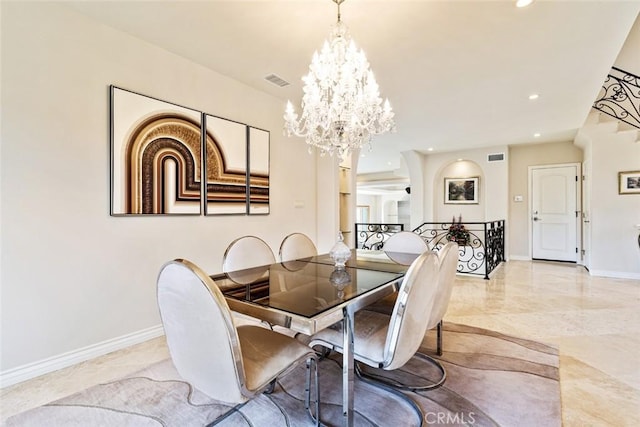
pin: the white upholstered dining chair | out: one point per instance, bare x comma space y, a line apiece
448, 260
388, 341
405, 241
449, 255
249, 252
297, 246
228, 363
246, 252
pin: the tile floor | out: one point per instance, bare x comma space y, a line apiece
594, 321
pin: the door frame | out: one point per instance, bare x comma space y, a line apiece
585, 215
578, 166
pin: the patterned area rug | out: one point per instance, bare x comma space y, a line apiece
492, 380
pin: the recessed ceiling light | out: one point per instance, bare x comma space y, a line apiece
459, 160
523, 3
534, 96
389, 163
430, 149
536, 135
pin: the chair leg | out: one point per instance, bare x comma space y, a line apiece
439, 338
362, 374
393, 383
307, 404
393, 390
227, 414
269, 325
322, 352
271, 387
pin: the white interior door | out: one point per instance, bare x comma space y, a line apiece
586, 213
554, 213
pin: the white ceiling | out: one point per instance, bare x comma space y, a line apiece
457, 73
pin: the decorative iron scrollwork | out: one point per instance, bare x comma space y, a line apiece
373, 236
483, 251
480, 253
620, 97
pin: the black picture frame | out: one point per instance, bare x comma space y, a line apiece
459, 191
156, 159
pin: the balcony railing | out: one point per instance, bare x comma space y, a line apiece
620, 97
372, 236
481, 251
481, 243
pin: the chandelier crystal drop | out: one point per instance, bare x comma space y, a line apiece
341, 104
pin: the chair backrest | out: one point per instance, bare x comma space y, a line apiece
412, 310
247, 252
296, 246
405, 241
448, 256
201, 336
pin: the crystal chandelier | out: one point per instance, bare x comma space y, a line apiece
341, 104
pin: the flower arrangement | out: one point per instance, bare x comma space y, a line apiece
457, 233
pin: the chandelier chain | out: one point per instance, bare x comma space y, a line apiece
338, 2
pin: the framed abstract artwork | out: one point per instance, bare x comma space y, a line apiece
258, 171
161, 153
461, 190
226, 166
629, 182
156, 161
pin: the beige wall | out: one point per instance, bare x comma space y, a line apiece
445, 212
520, 158
493, 184
73, 277
629, 58
611, 234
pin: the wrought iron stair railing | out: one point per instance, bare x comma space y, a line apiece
620, 97
373, 235
481, 244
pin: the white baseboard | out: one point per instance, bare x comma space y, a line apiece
32, 370
615, 274
519, 258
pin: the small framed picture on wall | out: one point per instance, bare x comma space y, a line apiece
629, 182
461, 190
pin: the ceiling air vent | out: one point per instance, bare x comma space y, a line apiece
276, 80
496, 157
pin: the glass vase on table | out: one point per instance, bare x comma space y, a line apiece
340, 252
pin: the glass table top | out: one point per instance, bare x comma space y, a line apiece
303, 287
396, 262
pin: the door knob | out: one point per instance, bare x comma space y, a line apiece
535, 218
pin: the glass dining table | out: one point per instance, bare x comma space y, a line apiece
310, 294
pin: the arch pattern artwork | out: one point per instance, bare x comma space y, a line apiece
158, 163
163, 166
226, 160
258, 171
